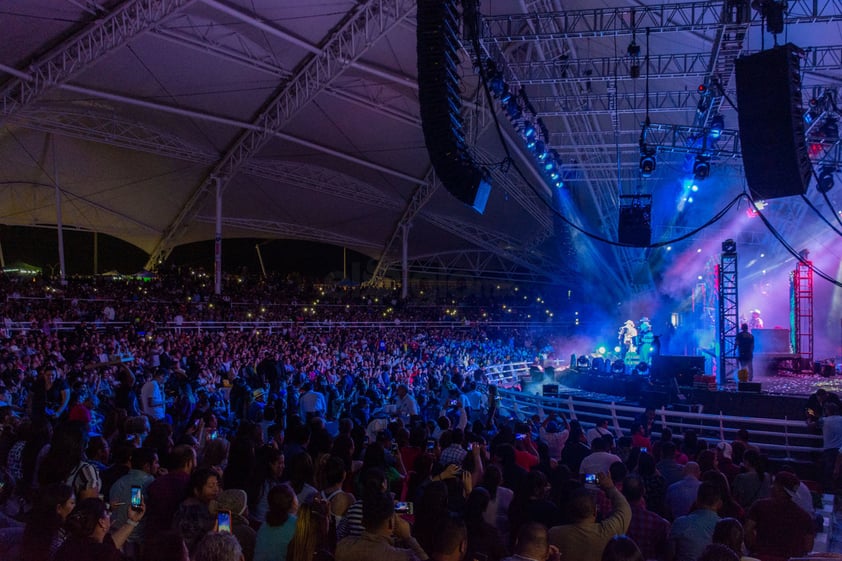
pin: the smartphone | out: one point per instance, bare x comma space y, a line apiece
520, 436
431, 445
470, 446
213, 435
453, 402
592, 478
644, 449
402, 507
137, 497
223, 521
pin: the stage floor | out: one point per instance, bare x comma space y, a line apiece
795, 384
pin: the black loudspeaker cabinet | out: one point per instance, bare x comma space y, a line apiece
635, 226
753, 387
549, 390
682, 368
775, 156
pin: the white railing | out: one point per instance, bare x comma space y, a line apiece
787, 438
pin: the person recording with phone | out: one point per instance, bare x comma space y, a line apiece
90, 533
127, 493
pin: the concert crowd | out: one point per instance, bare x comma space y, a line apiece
345, 431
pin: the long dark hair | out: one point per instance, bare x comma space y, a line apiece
265, 457
44, 521
280, 500
65, 453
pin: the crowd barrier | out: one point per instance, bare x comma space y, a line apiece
784, 439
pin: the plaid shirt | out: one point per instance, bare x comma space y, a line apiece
649, 531
453, 454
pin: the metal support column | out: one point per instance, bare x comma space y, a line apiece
217, 248
802, 313
405, 260
59, 221
728, 325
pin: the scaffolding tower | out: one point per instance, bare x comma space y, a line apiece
728, 325
802, 313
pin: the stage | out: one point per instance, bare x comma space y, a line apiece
781, 395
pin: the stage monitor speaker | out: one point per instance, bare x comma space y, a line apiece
682, 368
772, 137
753, 387
549, 390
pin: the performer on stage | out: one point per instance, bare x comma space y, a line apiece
645, 338
628, 338
756, 322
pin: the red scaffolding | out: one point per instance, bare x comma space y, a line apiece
802, 313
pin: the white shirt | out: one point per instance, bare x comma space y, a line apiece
312, 402
153, 400
598, 462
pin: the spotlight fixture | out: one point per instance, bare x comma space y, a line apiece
633, 51
716, 126
825, 180
647, 163
830, 129
701, 167
729, 247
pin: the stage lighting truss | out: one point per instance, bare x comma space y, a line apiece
526, 122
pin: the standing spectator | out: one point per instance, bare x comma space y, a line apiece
600, 459
682, 494
311, 539
311, 402
550, 432
482, 537
777, 528
690, 534
269, 466
406, 406
831, 425
598, 431
274, 535
575, 449
499, 500
152, 397
622, 548
452, 542
648, 530
585, 538
168, 491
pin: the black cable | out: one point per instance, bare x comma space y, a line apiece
820, 215
789, 248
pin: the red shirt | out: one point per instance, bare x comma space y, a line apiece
526, 460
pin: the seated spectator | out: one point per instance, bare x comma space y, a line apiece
729, 532
334, 478
533, 543
656, 485
65, 462
44, 532
585, 539
690, 534
144, 464
381, 525
718, 552
269, 467
311, 539
730, 508
682, 494
483, 538
452, 542
777, 528
165, 546
622, 548
218, 546
274, 535
754, 483
648, 530
193, 519
234, 501
668, 467
89, 533
500, 498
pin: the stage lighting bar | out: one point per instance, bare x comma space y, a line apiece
533, 133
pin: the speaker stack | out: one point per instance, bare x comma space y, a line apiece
772, 136
441, 103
